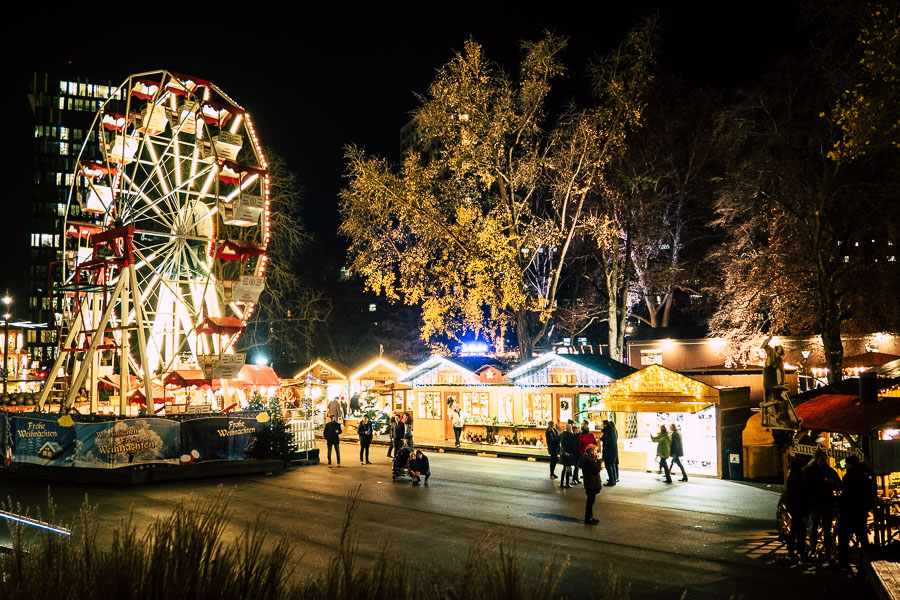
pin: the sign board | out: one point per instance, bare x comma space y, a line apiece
886, 456
651, 357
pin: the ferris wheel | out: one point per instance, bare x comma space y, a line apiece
164, 237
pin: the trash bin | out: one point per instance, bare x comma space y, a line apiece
735, 467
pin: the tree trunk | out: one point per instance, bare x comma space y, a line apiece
667, 310
523, 334
831, 341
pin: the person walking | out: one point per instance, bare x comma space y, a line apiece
663, 448
392, 431
419, 467
857, 499
590, 471
677, 451
796, 501
332, 436
610, 439
364, 431
568, 452
336, 410
552, 435
458, 422
399, 435
823, 482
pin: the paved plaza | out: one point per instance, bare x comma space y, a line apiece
711, 537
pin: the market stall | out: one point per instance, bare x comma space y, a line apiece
709, 418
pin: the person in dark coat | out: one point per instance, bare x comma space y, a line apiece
823, 482
590, 472
332, 435
857, 499
610, 439
408, 429
677, 451
568, 452
796, 501
399, 435
419, 467
392, 428
552, 435
364, 431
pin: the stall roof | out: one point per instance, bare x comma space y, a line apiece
258, 375
333, 366
187, 378
867, 359
844, 414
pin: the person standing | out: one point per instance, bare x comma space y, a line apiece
419, 467
857, 499
364, 431
552, 435
399, 434
458, 422
610, 439
408, 429
335, 410
677, 451
823, 482
332, 435
796, 501
392, 429
568, 450
590, 472
663, 448
585, 439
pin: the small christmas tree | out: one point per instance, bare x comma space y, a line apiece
277, 440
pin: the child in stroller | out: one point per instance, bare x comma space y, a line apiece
400, 466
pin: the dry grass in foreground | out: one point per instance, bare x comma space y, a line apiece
185, 556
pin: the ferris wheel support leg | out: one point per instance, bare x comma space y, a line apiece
95, 359
142, 345
81, 373
123, 350
57, 364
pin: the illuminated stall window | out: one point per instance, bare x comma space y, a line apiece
566, 406
505, 408
430, 405
475, 403
537, 408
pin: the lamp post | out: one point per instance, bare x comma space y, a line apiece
6, 316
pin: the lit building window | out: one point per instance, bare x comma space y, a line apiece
371, 308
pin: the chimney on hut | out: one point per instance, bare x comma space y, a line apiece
868, 388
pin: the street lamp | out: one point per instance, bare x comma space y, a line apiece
6, 316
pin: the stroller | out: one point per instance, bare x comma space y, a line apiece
400, 466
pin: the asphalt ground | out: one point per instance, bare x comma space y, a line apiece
709, 538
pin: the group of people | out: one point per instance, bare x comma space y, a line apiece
669, 447
332, 435
579, 453
813, 492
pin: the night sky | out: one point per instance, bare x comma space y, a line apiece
316, 82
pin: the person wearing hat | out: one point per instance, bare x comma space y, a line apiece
590, 475
857, 499
822, 482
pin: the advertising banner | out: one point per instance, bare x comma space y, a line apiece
218, 438
41, 440
127, 442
